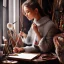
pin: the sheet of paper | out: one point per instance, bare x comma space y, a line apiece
25, 56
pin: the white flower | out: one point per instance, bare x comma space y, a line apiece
10, 26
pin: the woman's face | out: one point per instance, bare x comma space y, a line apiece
29, 13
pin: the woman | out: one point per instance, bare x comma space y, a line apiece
41, 32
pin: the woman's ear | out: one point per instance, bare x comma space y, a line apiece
36, 10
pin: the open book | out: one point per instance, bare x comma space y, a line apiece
27, 56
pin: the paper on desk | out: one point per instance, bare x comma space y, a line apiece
25, 56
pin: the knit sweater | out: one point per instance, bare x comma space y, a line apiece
47, 30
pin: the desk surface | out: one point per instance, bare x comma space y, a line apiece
46, 57
43, 58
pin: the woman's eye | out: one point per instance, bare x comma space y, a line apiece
27, 12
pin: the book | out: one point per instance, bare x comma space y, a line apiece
27, 56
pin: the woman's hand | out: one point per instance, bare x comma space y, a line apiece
23, 34
35, 28
18, 50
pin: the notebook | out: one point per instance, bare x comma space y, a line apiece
27, 56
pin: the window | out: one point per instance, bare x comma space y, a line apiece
10, 15
14, 13
5, 17
1, 20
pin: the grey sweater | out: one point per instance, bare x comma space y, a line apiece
47, 30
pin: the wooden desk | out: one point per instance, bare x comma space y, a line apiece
4, 60
42, 59
47, 59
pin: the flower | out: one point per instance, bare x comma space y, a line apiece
10, 26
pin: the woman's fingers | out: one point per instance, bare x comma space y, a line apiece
15, 49
35, 28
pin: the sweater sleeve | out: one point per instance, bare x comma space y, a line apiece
46, 43
28, 39
30, 49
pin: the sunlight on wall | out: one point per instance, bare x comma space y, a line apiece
14, 12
